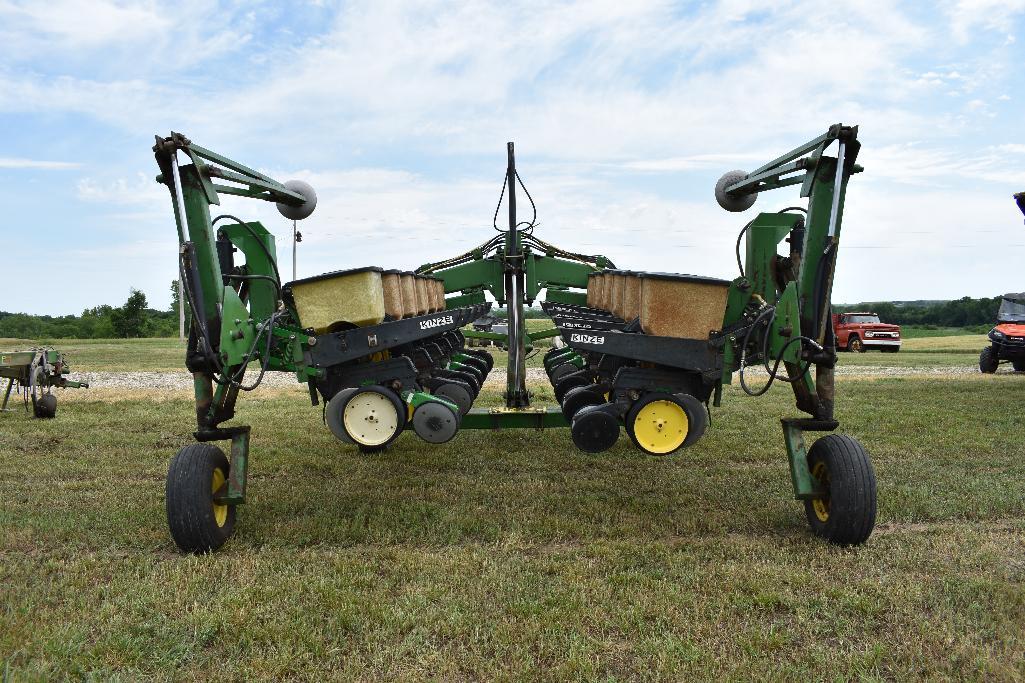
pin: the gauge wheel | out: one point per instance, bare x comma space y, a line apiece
660, 423
844, 511
373, 417
333, 415
198, 524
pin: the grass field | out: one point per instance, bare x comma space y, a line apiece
512, 555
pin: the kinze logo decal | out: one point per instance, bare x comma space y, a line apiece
585, 339
578, 326
436, 322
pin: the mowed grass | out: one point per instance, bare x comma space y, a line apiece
511, 555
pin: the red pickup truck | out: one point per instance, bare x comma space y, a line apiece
862, 331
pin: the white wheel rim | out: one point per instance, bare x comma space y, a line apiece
370, 418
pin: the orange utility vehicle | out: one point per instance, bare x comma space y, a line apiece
1008, 336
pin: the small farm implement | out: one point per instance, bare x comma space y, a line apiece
35, 373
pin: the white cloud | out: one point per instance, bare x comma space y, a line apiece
13, 162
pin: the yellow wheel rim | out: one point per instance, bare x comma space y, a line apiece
661, 426
220, 511
821, 505
370, 418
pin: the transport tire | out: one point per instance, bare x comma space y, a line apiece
373, 417
988, 361
660, 423
45, 406
846, 513
197, 524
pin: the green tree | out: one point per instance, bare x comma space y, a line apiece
130, 320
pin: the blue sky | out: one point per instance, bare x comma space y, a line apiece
624, 115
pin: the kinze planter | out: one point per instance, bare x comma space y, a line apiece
36, 372
386, 351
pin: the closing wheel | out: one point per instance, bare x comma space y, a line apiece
197, 523
456, 393
488, 359
465, 377
45, 406
435, 422
476, 363
568, 383
595, 428
333, 415
373, 417
560, 371
845, 512
659, 423
581, 397
988, 361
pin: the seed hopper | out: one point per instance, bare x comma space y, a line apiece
36, 372
386, 350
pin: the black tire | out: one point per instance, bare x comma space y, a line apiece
595, 429
846, 515
567, 383
1018, 365
697, 420
697, 413
855, 345
352, 414
581, 397
196, 524
488, 359
458, 393
988, 360
476, 363
560, 371
333, 415
45, 406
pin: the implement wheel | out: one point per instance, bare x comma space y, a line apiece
45, 406
373, 417
197, 523
845, 513
659, 423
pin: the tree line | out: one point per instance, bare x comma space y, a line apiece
132, 319
964, 312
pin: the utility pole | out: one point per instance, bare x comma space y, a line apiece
181, 310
